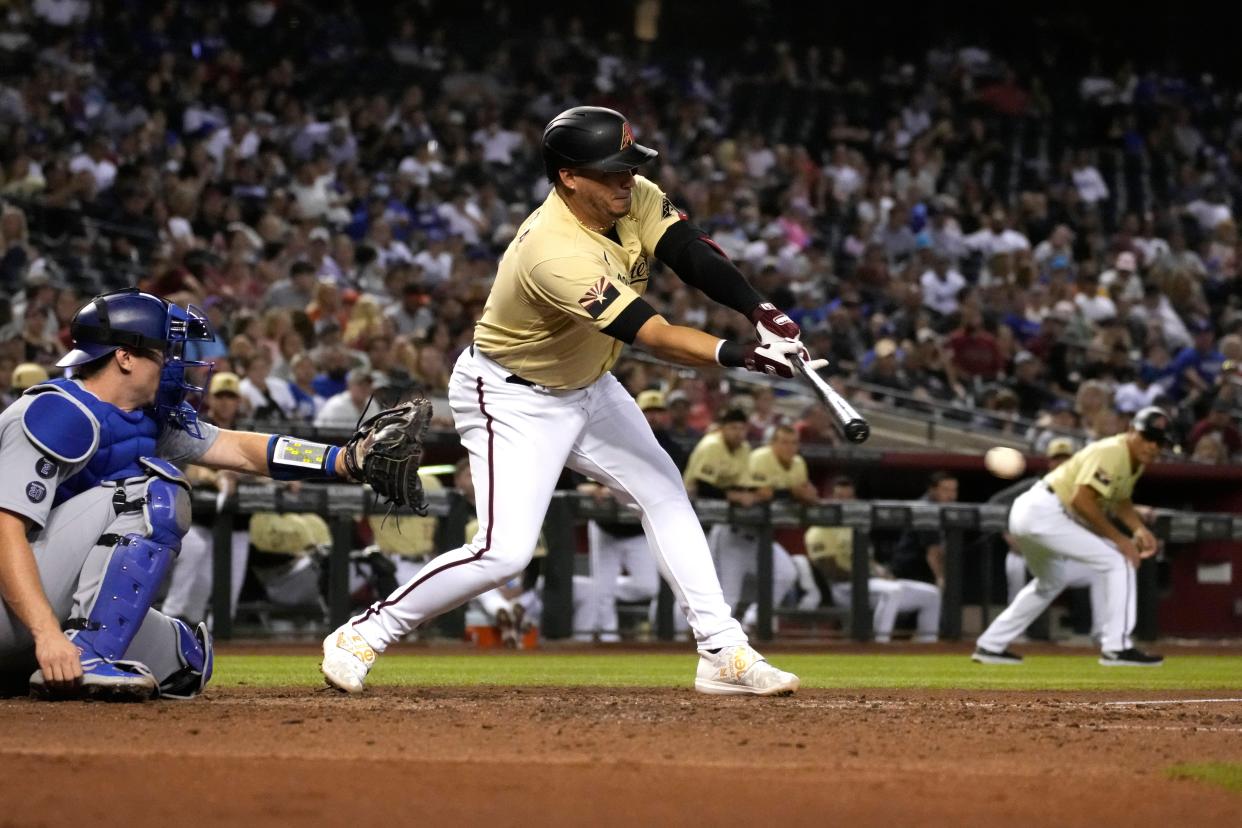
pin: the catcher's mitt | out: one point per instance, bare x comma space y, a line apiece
386, 451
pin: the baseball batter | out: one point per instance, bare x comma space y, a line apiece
1064, 528
534, 394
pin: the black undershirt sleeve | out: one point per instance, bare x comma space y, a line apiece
632, 317
699, 262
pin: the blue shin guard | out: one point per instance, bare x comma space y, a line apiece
134, 574
195, 653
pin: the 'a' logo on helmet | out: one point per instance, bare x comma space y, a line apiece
627, 135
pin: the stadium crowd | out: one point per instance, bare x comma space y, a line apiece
334, 187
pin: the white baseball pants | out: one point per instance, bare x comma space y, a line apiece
735, 549
519, 438
890, 596
189, 586
1059, 551
608, 555
1016, 578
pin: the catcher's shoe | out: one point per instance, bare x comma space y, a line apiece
121, 681
347, 658
736, 671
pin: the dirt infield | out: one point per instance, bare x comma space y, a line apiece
506, 756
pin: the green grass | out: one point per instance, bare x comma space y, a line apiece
1227, 775
879, 671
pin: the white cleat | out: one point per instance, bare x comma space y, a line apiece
738, 671
347, 658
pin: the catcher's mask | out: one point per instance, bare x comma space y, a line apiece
130, 318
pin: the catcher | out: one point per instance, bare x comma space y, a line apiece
93, 507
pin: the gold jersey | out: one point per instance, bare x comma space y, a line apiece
559, 285
1104, 465
766, 470
714, 463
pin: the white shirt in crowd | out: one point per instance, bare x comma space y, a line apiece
422, 172
498, 144
991, 244
437, 267
1129, 397
220, 141
103, 170
338, 412
314, 201
941, 294
1097, 307
1090, 184
277, 389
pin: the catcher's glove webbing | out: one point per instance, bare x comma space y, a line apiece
386, 450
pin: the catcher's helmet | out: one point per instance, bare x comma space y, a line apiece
143, 321
592, 137
1153, 424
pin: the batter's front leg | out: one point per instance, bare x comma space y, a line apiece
517, 440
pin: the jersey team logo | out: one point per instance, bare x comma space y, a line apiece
627, 135
35, 491
598, 297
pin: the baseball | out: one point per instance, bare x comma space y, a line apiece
1004, 462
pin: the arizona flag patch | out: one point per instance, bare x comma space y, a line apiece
1102, 477
598, 297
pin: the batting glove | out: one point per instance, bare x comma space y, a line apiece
773, 325
773, 358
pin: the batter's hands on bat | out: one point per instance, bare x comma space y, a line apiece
773, 325
773, 358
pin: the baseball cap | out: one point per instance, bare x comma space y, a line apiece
1022, 357
678, 396
926, 335
885, 348
320, 233
358, 375
651, 400
1059, 447
1126, 261
226, 382
27, 375
1200, 325
733, 415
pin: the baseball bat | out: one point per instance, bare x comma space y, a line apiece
849, 422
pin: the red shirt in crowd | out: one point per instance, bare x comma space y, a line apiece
976, 353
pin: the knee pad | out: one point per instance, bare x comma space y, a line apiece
167, 511
134, 573
194, 651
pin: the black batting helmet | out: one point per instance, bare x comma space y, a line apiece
592, 137
1153, 424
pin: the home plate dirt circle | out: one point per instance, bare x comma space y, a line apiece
575, 756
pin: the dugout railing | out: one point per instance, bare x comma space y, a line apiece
342, 505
